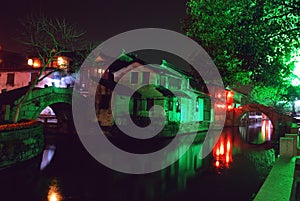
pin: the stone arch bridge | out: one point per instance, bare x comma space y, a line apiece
281, 122
59, 99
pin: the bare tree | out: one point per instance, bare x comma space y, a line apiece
48, 38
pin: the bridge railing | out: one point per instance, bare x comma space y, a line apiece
44, 91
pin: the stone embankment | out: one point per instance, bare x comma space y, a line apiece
20, 142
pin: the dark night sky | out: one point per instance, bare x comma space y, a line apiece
101, 19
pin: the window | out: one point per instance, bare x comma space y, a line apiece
163, 81
10, 79
150, 103
146, 77
171, 104
178, 108
174, 83
134, 77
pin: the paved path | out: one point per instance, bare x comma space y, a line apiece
278, 185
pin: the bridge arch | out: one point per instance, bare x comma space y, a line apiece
239, 112
63, 113
239, 118
275, 117
59, 99
55, 106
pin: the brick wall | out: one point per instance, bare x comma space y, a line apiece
20, 145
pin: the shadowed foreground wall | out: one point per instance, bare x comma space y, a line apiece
20, 144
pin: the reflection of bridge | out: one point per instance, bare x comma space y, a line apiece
59, 99
280, 121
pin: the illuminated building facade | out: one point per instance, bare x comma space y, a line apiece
17, 71
165, 85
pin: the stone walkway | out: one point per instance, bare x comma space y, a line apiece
279, 183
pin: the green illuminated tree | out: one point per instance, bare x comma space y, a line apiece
249, 41
49, 38
277, 97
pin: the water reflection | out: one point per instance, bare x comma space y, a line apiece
94, 182
89, 180
257, 131
240, 142
222, 151
54, 191
75, 175
266, 130
47, 156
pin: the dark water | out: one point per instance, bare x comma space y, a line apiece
234, 170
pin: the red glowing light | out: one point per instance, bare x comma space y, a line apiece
229, 107
223, 152
227, 158
229, 97
222, 148
228, 145
218, 152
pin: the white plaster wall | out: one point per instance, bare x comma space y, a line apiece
22, 79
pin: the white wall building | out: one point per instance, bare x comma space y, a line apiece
18, 71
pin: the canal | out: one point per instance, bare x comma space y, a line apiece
235, 170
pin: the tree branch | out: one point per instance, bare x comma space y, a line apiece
284, 32
49, 73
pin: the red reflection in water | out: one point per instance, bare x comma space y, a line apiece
223, 154
217, 164
53, 193
222, 148
266, 129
